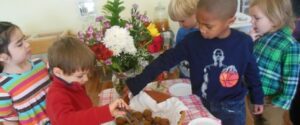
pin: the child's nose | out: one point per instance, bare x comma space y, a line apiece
252, 21
27, 44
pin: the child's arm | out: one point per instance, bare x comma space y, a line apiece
164, 62
7, 112
63, 111
252, 78
290, 77
255, 87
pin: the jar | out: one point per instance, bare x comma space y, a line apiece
168, 37
161, 18
162, 24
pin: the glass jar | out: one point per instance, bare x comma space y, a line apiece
161, 18
168, 37
119, 80
162, 24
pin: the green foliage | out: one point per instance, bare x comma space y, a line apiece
124, 62
139, 31
112, 10
141, 35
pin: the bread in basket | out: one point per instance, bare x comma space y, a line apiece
162, 105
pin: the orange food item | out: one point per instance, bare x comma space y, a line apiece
158, 96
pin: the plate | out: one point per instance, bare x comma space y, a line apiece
203, 121
180, 89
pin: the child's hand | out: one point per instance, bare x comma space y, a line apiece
118, 107
254, 35
258, 109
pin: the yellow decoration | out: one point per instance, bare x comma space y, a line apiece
153, 30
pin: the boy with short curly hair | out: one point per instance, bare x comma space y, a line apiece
67, 102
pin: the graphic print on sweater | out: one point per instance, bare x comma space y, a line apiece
228, 74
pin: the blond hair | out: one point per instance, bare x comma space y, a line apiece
181, 9
278, 11
223, 9
70, 55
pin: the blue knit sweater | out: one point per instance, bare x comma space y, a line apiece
217, 67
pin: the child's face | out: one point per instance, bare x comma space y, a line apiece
211, 26
18, 47
79, 76
189, 22
260, 22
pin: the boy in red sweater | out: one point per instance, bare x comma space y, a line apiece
67, 102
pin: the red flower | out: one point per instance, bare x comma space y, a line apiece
101, 52
156, 44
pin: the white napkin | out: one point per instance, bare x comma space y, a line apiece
169, 109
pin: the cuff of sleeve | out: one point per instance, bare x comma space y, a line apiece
134, 89
282, 103
257, 98
257, 101
10, 119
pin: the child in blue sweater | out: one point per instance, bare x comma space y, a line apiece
219, 57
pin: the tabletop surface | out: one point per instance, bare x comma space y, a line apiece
193, 102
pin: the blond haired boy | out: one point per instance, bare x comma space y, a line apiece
184, 12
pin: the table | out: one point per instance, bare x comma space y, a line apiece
193, 102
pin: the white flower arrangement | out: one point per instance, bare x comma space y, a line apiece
118, 43
119, 40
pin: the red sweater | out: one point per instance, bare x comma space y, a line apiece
68, 104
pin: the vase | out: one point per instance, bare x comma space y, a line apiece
119, 80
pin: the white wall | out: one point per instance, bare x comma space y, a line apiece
46, 16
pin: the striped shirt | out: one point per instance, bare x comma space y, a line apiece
22, 96
278, 58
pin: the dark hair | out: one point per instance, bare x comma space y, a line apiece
70, 55
6, 31
223, 9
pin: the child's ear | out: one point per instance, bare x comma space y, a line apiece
57, 71
231, 20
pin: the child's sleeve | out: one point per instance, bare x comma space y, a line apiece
253, 79
7, 112
164, 62
66, 113
290, 77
